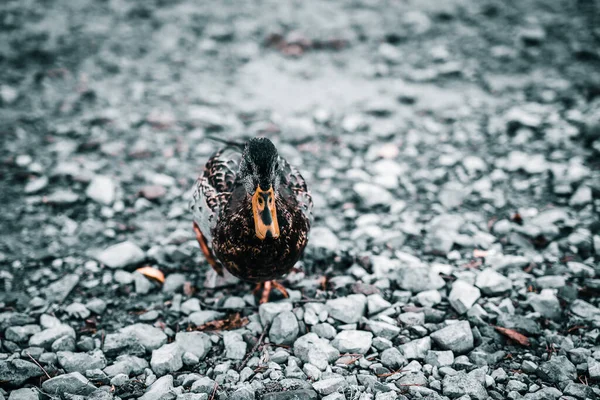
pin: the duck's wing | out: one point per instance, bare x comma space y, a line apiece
294, 185
213, 189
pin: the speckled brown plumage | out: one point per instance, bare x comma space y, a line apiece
222, 208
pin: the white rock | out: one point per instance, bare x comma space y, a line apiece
102, 190
463, 295
121, 255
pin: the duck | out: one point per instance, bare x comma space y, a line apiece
252, 213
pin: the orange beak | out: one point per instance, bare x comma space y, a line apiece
265, 214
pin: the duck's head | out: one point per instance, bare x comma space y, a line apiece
258, 172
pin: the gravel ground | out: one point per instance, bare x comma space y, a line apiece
453, 152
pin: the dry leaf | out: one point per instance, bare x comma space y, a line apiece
153, 273
234, 321
514, 335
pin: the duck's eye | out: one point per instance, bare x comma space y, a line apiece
261, 201
271, 201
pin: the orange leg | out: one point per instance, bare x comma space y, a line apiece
207, 253
266, 288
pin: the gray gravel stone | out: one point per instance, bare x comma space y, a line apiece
128, 365
167, 358
353, 341
299, 394
192, 396
557, 369
58, 291
121, 255
97, 306
376, 303
119, 379
190, 306
462, 296
46, 337
197, 343
325, 331
102, 190
64, 343
20, 334
203, 385
347, 309
24, 394
383, 329
268, 311
330, 385
150, 337
160, 390
429, 298
593, 368
173, 282
546, 303
372, 195
72, 383
416, 349
440, 358
418, 279
323, 238
579, 391
492, 283
200, 318
77, 310
313, 346
457, 337
81, 362
142, 284
547, 393
463, 384
235, 347
584, 309
284, 329
18, 371
393, 359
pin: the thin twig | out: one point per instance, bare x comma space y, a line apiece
212, 396
38, 364
258, 342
